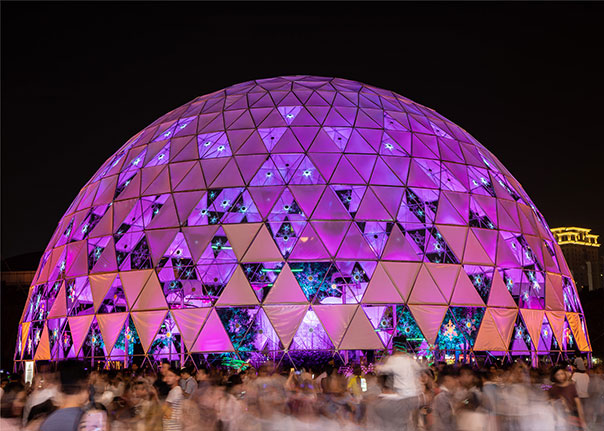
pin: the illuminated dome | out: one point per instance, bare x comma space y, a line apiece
301, 217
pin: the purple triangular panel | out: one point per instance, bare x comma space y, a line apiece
309, 246
331, 233
213, 337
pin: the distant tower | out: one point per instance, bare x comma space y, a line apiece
581, 249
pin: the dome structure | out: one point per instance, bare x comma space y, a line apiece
300, 217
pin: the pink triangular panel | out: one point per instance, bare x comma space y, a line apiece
238, 291
465, 293
364, 164
505, 319
59, 306
381, 290
286, 289
159, 240
185, 202
455, 236
147, 323
556, 320
445, 276
192, 181
285, 320
107, 260
331, 233
425, 290
533, 320
355, 246
133, 282
249, 165
330, 207
447, 214
488, 240
500, 295
474, 252
43, 349
240, 236
553, 292
360, 334
335, 319
390, 197
79, 265
263, 248
371, 208
346, 174
190, 321
212, 167
198, 238
265, 197
79, 327
152, 296
229, 177
99, 285
179, 170
383, 175
429, 319
398, 248
309, 246
505, 256
403, 274
575, 326
161, 184
305, 135
167, 216
307, 196
111, 326
488, 337
325, 162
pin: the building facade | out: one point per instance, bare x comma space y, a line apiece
582, 252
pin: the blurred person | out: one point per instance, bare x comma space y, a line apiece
172, 409
429, 391
43, 399
75, 396
160, 384
565, 397
443, 407
187, 381
388, 412
405, 373
581, 379
596, 398
470, 415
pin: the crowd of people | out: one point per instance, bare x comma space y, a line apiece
399, 393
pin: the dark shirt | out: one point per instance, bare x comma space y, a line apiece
568, 394
162, 388
63, 420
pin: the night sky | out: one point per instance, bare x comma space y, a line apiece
78, 79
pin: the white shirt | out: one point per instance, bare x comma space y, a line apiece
581, 383
405, 373
175, 398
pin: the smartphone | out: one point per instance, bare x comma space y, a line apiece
363, 384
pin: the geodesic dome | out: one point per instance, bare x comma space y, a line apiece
298, 216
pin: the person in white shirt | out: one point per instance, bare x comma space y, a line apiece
405, 372
172, 420
405, 383
581, 379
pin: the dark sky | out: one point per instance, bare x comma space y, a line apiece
78, 79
